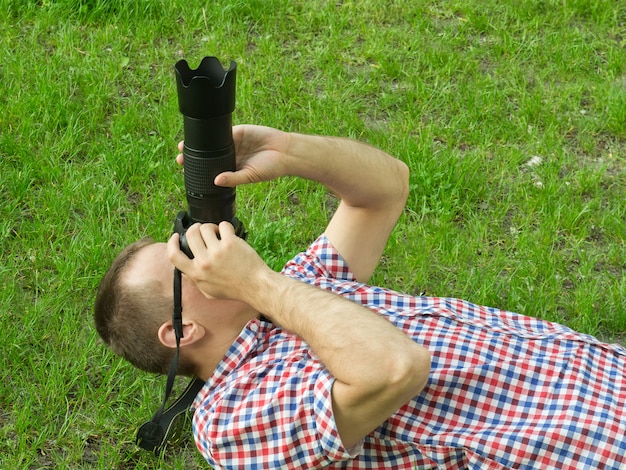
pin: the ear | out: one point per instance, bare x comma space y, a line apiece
192, 332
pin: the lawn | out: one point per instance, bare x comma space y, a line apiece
511, 116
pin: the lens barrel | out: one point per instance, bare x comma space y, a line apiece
206, 98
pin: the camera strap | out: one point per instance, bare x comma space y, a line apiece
153, 435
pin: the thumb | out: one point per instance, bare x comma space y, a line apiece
230, 179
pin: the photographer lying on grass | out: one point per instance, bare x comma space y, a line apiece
313, 368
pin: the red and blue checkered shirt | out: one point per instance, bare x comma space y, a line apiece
505, 391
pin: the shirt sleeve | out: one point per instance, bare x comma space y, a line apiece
320, 260
275, 418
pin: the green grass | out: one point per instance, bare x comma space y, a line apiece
466, 93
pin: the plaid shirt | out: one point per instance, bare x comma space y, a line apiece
505, 391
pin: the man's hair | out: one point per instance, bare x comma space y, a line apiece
128, 318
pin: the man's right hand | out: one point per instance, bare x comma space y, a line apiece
224, 266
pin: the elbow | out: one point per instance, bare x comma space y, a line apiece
420, 371
396, 194
403, 182
400, 190
425, 372
410, 373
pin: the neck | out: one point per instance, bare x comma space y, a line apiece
222, 323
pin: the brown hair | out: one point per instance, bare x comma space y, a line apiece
128, 319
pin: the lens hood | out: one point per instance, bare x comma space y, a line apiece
208, 91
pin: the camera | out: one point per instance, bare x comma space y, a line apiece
206, 99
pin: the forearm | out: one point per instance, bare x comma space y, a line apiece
361, 349
359, 174
377, 368
372, 186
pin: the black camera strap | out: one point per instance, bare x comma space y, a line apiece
153, 435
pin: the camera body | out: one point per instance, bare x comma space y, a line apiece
206, 99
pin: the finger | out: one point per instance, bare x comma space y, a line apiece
226, 229
230, 179
179, 158
175, 255
196, 240
209, 233
224, 179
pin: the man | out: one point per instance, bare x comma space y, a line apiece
312, 368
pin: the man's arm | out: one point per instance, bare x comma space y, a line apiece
372, 186
377, 368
